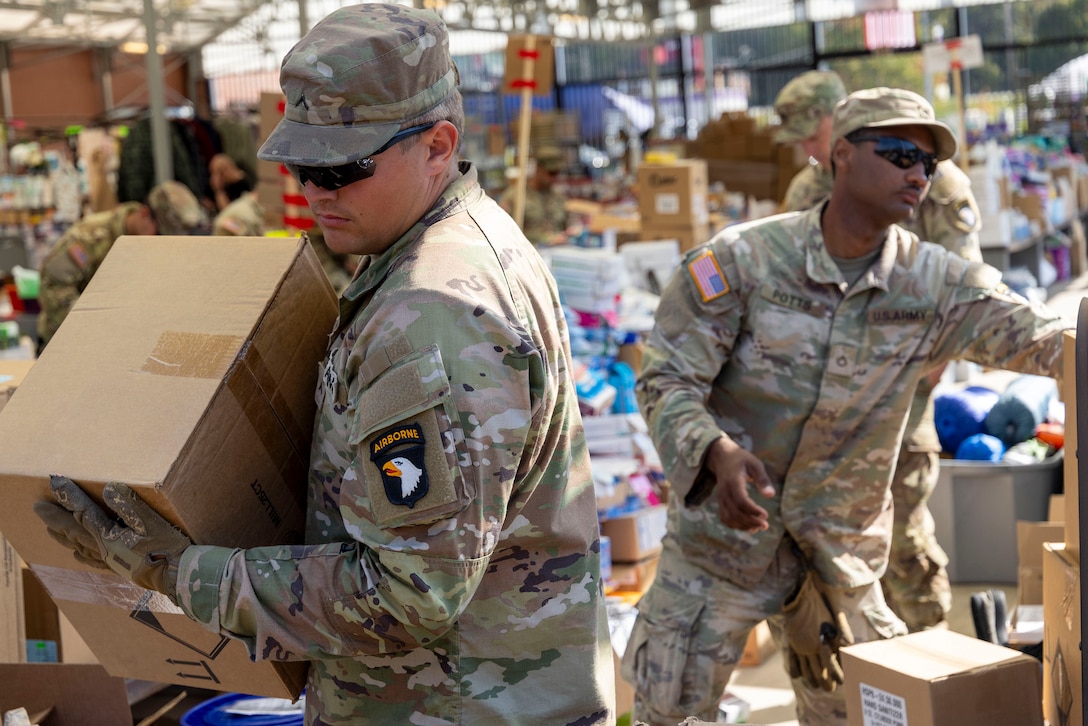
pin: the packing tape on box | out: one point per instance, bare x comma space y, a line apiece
100, 587
192, 355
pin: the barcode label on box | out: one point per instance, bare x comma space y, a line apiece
880, 708
665, 203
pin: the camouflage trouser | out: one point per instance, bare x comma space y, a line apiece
916, 582
692, 628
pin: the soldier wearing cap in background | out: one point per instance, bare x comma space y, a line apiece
804, 107
776, 384
451, 565
239, 214
545, 212
916, 584
171, 209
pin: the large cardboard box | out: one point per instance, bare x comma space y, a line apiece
633, 576
187, 370
12, 618
32, 629
1070, 475
57, 694
49, 636
1062, 656
940, 678
637, 535
673, 195
1030, 538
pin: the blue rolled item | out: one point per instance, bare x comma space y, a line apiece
623, 378
1021, 408
981, 447
216, 712
959, 414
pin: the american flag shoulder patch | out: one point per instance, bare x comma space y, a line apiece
708, 276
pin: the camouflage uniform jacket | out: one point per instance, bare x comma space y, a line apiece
452, 568
949, 216
757, 338
545, 213
70, 265
243, 217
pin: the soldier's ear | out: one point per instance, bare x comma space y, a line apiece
841, 152
441, 144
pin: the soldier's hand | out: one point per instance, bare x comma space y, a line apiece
734, 470
66, 525
142, 546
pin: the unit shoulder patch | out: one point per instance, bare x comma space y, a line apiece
708, 276
79, 255
398, 453
964, 216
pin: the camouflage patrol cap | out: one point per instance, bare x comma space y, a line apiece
804, 101
355, 78
885, 107
175, 209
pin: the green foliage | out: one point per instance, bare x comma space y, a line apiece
896, 70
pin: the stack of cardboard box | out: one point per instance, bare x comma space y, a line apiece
555, 130
745, 158
672, 202
1061, 578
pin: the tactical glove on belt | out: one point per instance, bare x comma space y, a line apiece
814, 633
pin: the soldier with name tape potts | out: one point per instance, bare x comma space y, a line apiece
451, 567
776, 384
916, 583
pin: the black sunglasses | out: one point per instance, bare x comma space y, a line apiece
335, 177
900, 152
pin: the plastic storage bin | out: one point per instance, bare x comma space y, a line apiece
975, 508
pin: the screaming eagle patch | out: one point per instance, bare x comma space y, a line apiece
398, 454
966, 219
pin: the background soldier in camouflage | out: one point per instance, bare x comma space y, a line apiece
776, 384
451, 570
545, 214
68, 268
916, 583
239, 213
804, 107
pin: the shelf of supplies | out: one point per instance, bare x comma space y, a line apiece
1028, 253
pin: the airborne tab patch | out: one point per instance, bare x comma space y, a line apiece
708, 276
398, 454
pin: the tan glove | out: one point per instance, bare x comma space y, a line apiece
814, 633
143, 546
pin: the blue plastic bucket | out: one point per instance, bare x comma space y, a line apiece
215, 713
